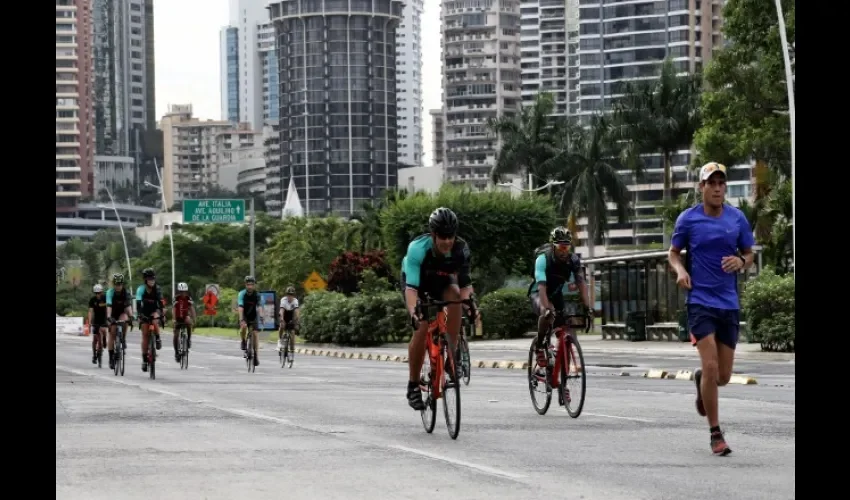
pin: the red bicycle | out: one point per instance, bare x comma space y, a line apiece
440, 360
563, 365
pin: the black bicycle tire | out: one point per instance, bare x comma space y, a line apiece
184, 348
467, 366
450, 364
429, 413
532, 364
123, 351
577, 412
152, 355
116, 349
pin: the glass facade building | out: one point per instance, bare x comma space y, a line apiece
338, 113
232, 60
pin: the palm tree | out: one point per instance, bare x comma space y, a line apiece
369, 217
587, 163
528, 139
660, 116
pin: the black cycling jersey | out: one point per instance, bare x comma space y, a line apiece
553, 272
249, 302
98, 304
148, 301
423, 263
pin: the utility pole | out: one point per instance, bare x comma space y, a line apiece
253, 216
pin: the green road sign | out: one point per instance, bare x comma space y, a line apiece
213, 211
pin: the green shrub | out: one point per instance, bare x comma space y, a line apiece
768, 304
506, 313
359, 320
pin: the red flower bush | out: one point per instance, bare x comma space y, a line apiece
347, 269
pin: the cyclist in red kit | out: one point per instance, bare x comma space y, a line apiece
184, 314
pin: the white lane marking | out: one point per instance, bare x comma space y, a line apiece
644, 420
469, 465
326, 432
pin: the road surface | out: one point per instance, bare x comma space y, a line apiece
341, 429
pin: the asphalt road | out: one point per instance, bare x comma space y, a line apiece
341, 429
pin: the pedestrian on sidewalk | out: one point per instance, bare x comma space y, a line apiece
719, 242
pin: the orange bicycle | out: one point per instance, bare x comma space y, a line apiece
440, 361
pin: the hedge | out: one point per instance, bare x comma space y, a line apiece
769, 304
358, 320
494, 224
506, 313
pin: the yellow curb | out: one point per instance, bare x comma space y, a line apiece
656, 374
359, 355
350, 355
684, 375
313, 352
404, 359
504, 364
741, 379
368, 356
480, 364
397, 359
321, 353
328, 353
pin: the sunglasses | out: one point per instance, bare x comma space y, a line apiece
444, 236
563, 246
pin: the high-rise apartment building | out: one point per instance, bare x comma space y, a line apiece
243, 56
481, 80
239, 152
543, 41
271, 73
409, 84
438, 138
274, 181
628, 41
74, 120
338, 107
124, 99
190, 154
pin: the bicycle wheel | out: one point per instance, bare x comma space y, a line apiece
252, 352
573, 403
282, 351
152, 355
290, 353
184, 349
451, 392
119, 339
429, 414
466, 363
535, 381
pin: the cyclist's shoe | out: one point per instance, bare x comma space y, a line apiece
414, 398
188, 342
718, 444
144, 362
279, 345
94, 358
111, 360
244, 345
176, 356
158, 343
699, 403
256, 361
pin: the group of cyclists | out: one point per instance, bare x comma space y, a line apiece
106, 308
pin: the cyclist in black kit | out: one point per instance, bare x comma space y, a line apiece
247, 302
149, 308
97, 321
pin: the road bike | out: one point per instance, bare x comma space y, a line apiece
467, 332
563, 365
250, 348
183, 345
118, 350
438, 377
99, 342
285, 353
152, 345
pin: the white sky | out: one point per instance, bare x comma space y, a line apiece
187, 58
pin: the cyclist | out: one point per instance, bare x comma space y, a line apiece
288, 314
97, 320
436, 266
247, 303
184, 314
553, 266
118, 307
149, 307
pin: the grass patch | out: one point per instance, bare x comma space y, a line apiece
216, 332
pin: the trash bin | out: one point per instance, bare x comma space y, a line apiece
636, 326
684, 334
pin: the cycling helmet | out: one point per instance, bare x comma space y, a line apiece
149, 273
117, 279
182, 287
443, 222
290, 290
97, 288
560, 235
250, 279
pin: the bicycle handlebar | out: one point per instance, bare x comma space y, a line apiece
442, 303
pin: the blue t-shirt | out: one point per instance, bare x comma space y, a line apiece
707, 240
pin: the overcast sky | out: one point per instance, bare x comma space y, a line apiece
187, 58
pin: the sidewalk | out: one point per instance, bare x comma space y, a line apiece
589, 344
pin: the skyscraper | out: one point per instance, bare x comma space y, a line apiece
74, 121
338, 110
124, 99
409, 84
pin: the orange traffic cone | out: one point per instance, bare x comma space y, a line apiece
86, 330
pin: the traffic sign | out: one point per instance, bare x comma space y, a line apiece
314, 282
213, 211
211, 288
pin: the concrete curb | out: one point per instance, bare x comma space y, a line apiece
510, 365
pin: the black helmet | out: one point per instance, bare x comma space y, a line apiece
117, 279
560, 235
148, 273
250, 279
443, 222
290, 290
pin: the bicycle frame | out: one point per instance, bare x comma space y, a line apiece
437, 331
561, 358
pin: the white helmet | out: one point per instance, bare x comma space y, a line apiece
182, 287
98, 288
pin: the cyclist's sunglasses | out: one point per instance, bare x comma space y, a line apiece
444, 236
563, 246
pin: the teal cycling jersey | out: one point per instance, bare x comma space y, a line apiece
423, 262
553, 272
248, 302
118, 300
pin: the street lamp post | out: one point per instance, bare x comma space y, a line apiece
534, 190
161, 189
789, 83
123, 237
